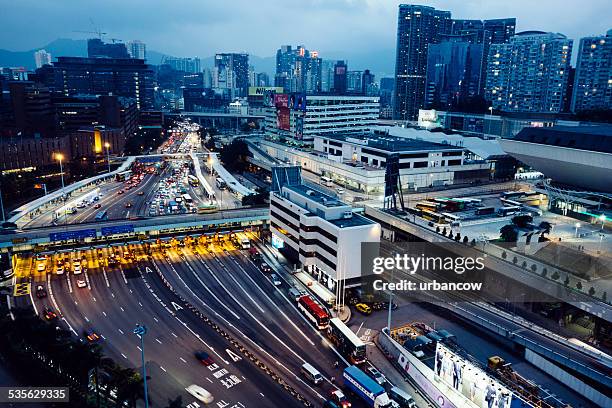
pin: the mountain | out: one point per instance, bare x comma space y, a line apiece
59, 47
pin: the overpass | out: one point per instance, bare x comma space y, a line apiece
139, 228
260, 158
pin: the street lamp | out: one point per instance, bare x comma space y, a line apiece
59, 157
602, 218
140, 330
577, 225
107, 145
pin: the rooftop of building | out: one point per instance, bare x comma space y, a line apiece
315, 195
593, 138
355, 221
392, 144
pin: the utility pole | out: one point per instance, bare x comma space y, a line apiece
140, 331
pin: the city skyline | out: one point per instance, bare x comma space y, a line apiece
221, 28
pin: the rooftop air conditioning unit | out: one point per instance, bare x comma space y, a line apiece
347, 214
310, 192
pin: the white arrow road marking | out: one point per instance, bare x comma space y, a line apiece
176, 306
233, 355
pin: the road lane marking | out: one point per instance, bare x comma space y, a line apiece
243, 290
140, 304
155, 318
163, 369
138, 347
70, 327
157, 340
174, 335
112, 294
262, 395
87, 280
183, 360
86, 319
209, 380
69, 283
104, 313
51, 295
121, 331
124, 356
105, 277
123, 274
123, 310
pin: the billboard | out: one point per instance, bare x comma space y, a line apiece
282, 118
476, 385
268, 98
299, 127
280, 100
297, 101
261, 90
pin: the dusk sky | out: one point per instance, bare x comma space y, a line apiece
203, 27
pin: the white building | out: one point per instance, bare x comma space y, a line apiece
42, 57
359, 162
325, 115
322, 232
137, 49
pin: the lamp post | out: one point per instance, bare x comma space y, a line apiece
602, 218
107, 145
140, 330
2, 205
60, 157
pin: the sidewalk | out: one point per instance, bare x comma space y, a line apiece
393, 374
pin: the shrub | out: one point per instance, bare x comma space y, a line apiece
592, 291
504, 255
579, 285
534, 268
544, 272
465, 240
555, 275
515, 260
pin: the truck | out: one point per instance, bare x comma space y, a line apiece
366, 388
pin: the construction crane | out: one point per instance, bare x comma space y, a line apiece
96, 30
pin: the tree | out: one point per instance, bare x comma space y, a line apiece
524, 264
234, 155
534, 268
544, 272
546, 227
579, 285
522, 221
508, 233
465, 239
210, 143
457, 237
555, 275
514, 260
504, 255
473, 243
175, 403
591, 291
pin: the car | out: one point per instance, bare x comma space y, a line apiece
204, 358
338, 397
41, 267
76, 269
41, 292
81, 283
97, 205
275, 280
92, 336
363, 309
140, 193
128, 205
120, 192
339, 190
265, 267
375, 375
60, 270
49, 314
200, 393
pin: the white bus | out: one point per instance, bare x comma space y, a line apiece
453, 219
326, 181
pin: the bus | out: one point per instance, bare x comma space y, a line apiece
102, 215
505, 211
187, 198
511, 194
326, 181
434, 217
347, 342
485, 211
123, 175
207, 209
427, 205
193, 181
314, 312
220, 183
453, 219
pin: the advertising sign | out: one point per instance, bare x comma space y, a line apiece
480, 388
261, 90
282, 118
424, 383
117, 229
297, 101
299, 127
280, 100
268, 98
67, 235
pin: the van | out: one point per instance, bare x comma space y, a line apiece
295, 294
312, 374
404, 399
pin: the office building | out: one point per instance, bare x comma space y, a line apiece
191, 65
96, 48
593, 76
340, 78
530, 73
42, 57
231, 74
32, 110
417, 27
193, 80
453, 71
131, 78
353, 82
298, 69
324, 114
327, 76
137, 49
386, 97
262, 79
368, 86
202, 99
318, 230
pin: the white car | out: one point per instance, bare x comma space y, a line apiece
81, 283
76, 269
60, 270
41, 267
200, 393
340, 190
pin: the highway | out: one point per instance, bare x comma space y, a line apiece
115, 299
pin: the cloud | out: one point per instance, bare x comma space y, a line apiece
203, 27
